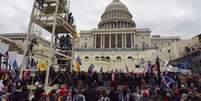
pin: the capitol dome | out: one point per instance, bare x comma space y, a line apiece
116, 16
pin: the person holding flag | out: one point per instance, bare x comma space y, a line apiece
78, 64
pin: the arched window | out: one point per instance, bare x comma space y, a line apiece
107, 58
97, 58
102, 58
130, 58
118, 58
86, 57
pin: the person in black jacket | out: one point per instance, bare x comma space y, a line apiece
38, 92
20, 93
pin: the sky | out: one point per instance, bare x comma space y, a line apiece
164, 17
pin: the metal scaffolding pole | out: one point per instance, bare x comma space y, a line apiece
27, 41
50, 63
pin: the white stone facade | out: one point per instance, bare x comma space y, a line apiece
162, 42
114, 59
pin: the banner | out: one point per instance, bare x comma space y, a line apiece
15, 59
183, 65
3, 48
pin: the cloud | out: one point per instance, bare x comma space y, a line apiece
14, 15
164, 17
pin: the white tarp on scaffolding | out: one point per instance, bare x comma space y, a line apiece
3, 48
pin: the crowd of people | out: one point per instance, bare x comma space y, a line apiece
107, 86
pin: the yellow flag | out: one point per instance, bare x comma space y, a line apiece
42, 66
78, 66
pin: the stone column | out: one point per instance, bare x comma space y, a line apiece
94, 41
116, 41
122, 40
101, 45
110, 25
125, 42
110, 41
103, 41
131, 40
134, 37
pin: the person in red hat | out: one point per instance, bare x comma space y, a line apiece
176, 96
145, 96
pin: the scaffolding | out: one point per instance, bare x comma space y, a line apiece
53, 16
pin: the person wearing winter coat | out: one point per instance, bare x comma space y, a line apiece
103, 96
19, 93
78, 96
37, 94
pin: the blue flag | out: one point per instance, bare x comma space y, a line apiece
168, 81
149, 67
15, 65
183, 65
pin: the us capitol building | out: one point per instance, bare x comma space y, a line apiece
117, 43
